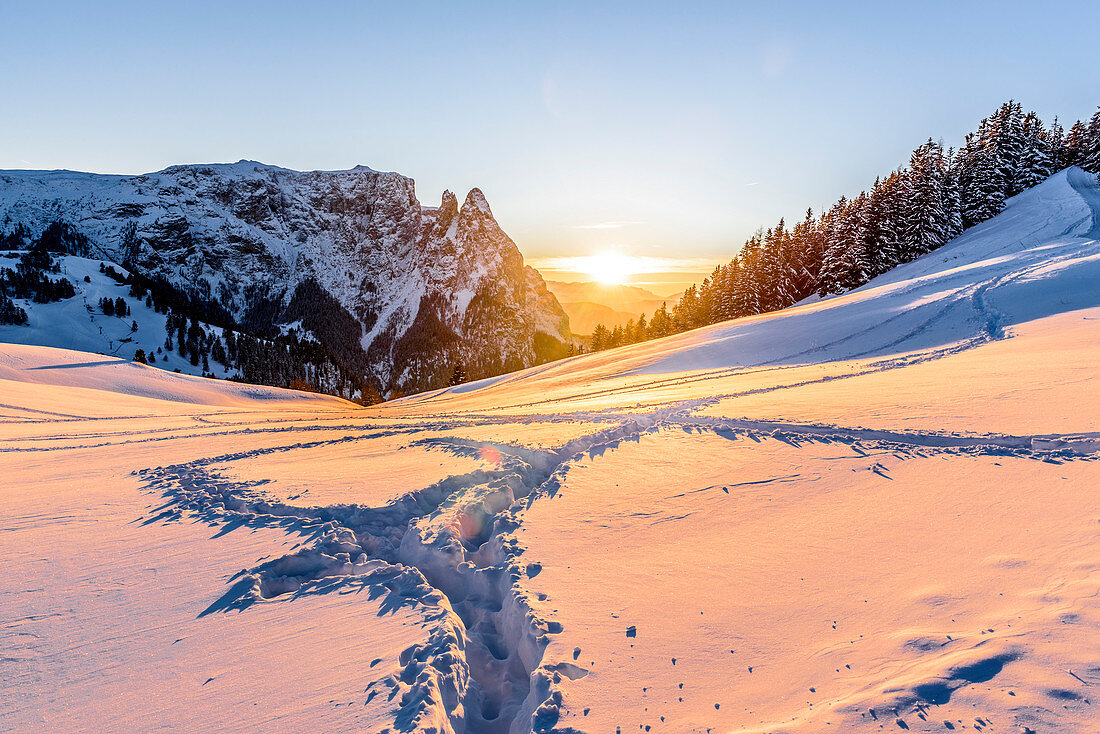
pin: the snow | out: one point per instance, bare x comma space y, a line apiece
369, 472
840, 570
79, 323
83, 371
871, 512
104, 621
230, 231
